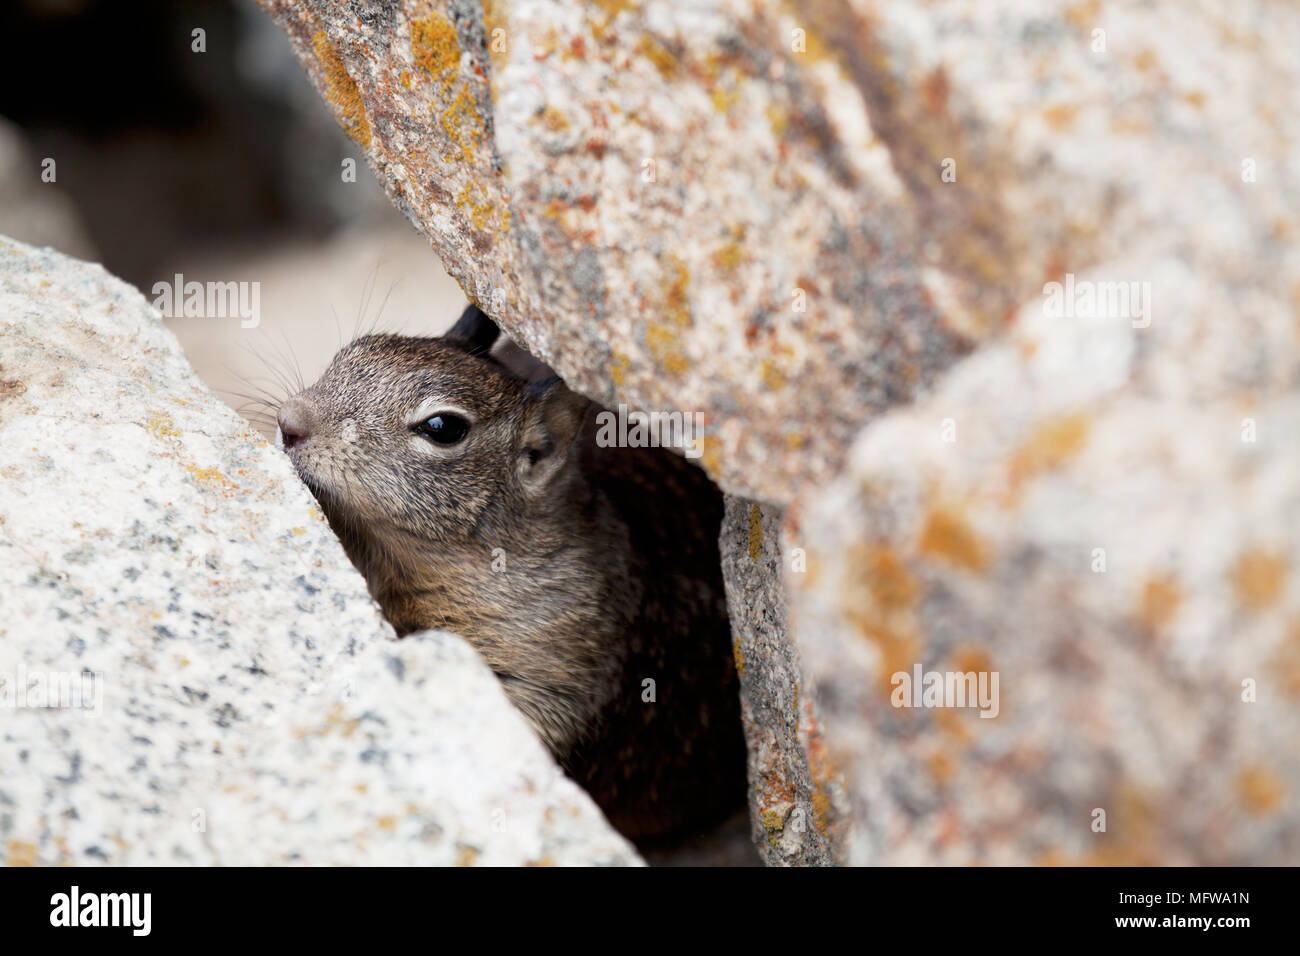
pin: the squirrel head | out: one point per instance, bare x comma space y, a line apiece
433, 437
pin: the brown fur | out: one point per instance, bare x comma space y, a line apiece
611, 570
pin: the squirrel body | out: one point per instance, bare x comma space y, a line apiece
588, 578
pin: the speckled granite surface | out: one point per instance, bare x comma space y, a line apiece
242, 701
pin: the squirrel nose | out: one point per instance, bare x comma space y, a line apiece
296, 421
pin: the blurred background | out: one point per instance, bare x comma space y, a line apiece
221, 165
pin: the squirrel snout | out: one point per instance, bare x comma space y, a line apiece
296, 420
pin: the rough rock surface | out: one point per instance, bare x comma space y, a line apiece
1102, 506
556, 155
644, 190
1120, 546
244, 702
792, 798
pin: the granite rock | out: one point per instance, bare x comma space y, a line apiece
794, 801
1118, 546
191, 672
671, 204
1100, 505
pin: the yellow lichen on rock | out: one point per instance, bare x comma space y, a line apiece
663, 337
435, 48
462, 113
342, 91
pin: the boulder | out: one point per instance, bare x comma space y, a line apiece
1062, 515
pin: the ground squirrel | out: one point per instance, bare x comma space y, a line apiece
476, 500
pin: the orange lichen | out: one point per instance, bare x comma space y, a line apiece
1133, 836
892, 586
160, 426
615, 7
1160, 600
337, 719
677, 277
822, 771
941, 767
778, 119
1261, 790
732, 252
341, 91
666, 347
934, 90
725, 98
612, 8
659, 55
618, 367
815, 48
711, 459
1257, 578
1083, 15
555, 120
663, 337
947, 536
467, 856
435, 47
755, 534
772, 376
1060, 116
1051, 445
967, 659
20, 853
949, 720
454, 119
878, 600
209, 476
546, 44
479, 213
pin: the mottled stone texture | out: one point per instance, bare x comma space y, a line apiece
243, 702
646, 192
666, 202
1123, 557
792, 796
1101, 506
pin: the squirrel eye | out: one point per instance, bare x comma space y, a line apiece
443, 428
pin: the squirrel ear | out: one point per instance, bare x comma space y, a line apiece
475, 330
553, 417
